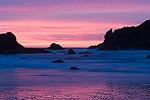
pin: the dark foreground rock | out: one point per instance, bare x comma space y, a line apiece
74, 68
9, 45
127, 38
58, 61
55, 46
148, 57
71, 51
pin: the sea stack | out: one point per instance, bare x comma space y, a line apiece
71, 52
55, 46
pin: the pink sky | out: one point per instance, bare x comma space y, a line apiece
71, 23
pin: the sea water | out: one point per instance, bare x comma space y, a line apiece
103, 75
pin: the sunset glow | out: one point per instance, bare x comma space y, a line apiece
71, 23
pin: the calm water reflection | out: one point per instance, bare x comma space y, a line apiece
46, 84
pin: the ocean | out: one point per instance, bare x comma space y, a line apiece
103, 75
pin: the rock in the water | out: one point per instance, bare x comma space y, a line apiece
85, 52
58, 61
74, 68
23, 57
148, 57
71, 51
55, 46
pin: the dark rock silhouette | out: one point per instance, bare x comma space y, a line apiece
127, 38
94, 46
74, 68
55, 46
9, 44
71, 51
148, 57
58, 61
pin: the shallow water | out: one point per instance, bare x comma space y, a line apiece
104, 75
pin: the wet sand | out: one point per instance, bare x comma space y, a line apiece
32, 84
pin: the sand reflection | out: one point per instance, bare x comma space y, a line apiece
43, 84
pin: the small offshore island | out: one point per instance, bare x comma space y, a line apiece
127, 38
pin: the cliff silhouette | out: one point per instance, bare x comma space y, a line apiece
127, 38
9, 44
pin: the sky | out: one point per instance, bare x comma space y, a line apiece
71, 23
